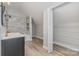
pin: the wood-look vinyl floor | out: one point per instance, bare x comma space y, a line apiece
35, 48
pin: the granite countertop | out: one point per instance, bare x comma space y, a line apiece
13, 35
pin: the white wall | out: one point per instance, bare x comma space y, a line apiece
66, 25
36, 9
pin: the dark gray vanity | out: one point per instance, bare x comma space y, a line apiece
12, 47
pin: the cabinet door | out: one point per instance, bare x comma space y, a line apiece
13, 47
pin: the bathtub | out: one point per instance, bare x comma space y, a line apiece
12, 35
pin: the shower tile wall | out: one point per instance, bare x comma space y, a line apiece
17, 22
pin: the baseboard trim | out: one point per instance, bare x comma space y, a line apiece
33, 35
66, 46
37, 37
45, 47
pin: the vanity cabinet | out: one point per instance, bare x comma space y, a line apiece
12, 47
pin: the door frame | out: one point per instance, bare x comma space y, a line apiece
48, 26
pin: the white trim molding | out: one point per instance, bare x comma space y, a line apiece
38, 37
48, 26
66, 46
45, 47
